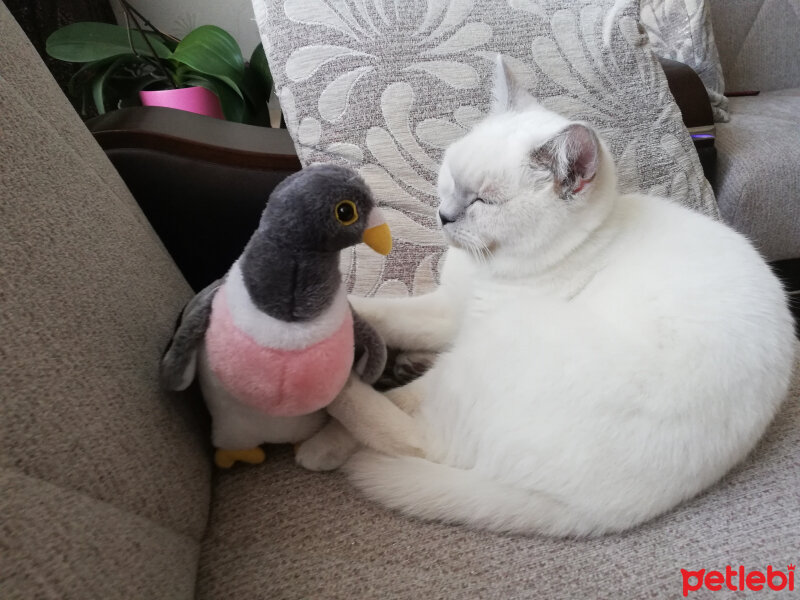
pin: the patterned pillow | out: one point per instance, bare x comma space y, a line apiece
681, 30
386, 85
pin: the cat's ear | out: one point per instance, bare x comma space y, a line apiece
507, 93
572, 155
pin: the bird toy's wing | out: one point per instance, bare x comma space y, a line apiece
370, 350
179, 363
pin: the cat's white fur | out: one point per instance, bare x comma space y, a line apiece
605, 356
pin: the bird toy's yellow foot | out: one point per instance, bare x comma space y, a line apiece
225, 459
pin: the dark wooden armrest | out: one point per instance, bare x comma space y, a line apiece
201, 182
196, 137
692, 98
690, 94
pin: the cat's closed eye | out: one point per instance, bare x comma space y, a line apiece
478, 199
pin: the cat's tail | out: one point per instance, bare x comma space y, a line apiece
434, 491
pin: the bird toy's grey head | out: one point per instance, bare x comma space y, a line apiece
325, 208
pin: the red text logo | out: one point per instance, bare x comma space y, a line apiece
738, 579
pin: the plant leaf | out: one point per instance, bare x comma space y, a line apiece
99, 84
82, 77
256, 86
259, 64
252, 88
123, 90
88, 42
212, 51
258, 117
232, 104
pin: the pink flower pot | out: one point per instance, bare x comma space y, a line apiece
193, 99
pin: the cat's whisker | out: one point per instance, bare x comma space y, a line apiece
486, 251
469, 245
477, 248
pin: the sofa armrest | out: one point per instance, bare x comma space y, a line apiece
690, 95
201, 182
196, 137
692, 98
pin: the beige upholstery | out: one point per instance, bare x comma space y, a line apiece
757, 183
758, 43
105, 480
758, 179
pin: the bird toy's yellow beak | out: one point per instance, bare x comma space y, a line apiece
377, 235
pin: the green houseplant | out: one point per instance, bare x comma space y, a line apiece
119, 62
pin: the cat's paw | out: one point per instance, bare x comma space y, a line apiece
326, 451
316, 456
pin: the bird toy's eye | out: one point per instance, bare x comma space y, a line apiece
346, 212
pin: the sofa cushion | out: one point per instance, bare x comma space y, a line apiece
63, 544
758, 179
277, 531
681, 30
758, 43
386, 91
101, 471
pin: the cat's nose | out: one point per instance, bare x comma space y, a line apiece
445, 219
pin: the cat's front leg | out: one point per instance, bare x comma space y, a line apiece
395, 434
375, 421
424, 323
408, 397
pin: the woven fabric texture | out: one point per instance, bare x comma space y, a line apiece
62, 544
386, 86
681, 30
758, 43
758, 182
100, 469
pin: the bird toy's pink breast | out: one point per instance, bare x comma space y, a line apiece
276, 381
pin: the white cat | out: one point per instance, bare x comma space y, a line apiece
606, 356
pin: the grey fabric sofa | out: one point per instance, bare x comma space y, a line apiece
758, 165
107, 487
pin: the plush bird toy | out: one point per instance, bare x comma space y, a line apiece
275, 340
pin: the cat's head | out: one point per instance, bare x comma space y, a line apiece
523, 180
